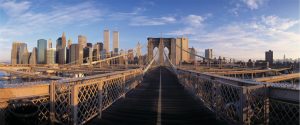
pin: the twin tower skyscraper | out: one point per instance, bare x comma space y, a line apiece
106, 41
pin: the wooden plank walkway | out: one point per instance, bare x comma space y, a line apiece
141, 106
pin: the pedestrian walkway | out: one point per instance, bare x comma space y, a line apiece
159, 99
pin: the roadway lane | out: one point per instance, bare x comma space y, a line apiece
143, 106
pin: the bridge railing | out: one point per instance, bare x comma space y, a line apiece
74, 101
242, 102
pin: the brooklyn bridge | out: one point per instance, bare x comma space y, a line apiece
159, 89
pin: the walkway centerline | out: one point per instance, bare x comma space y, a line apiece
158, 121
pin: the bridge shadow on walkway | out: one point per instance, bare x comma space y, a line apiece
140, 106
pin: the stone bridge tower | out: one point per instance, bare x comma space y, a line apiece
175, 47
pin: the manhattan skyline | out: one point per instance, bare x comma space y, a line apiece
243, 29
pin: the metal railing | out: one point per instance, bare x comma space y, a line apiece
242, 102
76, 101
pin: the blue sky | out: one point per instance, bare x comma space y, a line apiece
240, 29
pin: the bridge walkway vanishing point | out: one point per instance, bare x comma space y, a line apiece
142, 106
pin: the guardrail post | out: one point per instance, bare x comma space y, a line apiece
52, 102
74, 103
100, 92
266, 105
124, 86
244, 107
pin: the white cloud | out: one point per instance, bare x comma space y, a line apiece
244, 40
254, 4
126, 15
278, 23
146, 21
32, 22
193, 25
13, 8
193, 20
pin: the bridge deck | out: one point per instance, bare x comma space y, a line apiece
140, 106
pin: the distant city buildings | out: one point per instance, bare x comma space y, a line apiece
269, 57
66, 52
41, 51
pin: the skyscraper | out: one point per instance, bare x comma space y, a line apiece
41, 51
97, 49
62, 55
269, 57
51, 56
106, 41
138, 50
25, 57
208, 53
192, 52
82, 40
76, 54
59, 43
87, 54
49, 43
69, 42
33, 56
116, 41
17, 52
63, 40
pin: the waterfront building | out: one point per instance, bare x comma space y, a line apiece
17, 52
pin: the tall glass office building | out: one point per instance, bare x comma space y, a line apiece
41, 51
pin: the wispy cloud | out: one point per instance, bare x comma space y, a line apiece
278, 23
235, 9
193, 24
246, 40
254, 4
147, 21
13, 8
126, 15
